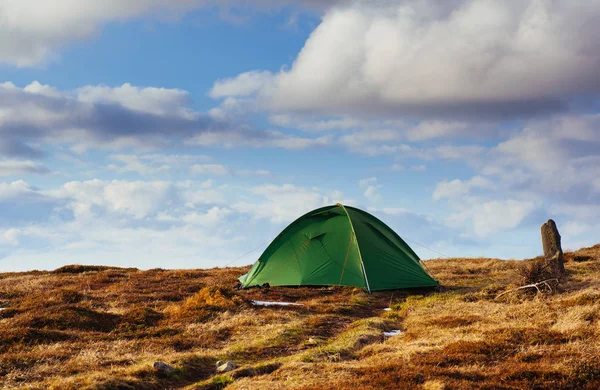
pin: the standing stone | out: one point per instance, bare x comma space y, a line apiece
552, 249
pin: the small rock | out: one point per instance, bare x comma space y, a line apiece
314, 340
162, 367
225, 366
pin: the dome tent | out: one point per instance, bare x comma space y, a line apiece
338, 246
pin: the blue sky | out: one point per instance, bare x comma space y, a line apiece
184, 133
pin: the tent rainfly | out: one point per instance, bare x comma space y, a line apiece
338, 246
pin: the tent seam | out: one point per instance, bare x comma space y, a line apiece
362, 264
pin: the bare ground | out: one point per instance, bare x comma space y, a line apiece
102, 328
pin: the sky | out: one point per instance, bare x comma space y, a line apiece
187, 133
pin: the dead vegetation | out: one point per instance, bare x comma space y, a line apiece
103, 327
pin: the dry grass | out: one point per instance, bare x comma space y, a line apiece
103, 327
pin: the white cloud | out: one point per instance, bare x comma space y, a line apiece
209, 169
429, 58
458, 188
400, 167
146, 223
133, 163
317, 124
19, 188
211, 217
136, 199
459, 152
221, 170
135, 223
245, 84
286, 202
119, 117
574, 228
370, 188
32, 30
358, 139
267, 139
395, 211
159, 101
493, 216
249, 172
435, 129
148, 164
22, 167
427, 236
548, 168
12, 235
559, 156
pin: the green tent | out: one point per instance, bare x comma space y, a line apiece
338, 246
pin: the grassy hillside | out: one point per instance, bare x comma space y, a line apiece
102, 328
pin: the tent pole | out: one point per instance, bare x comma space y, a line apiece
365, 273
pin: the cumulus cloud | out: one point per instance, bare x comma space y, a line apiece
400, 167
132, 199
220, 170
256, 139
145, 223
246, 84
22, 167
439, 59
119, 117
417, 228
284, 203
318, 123
559, 157
370, 188
148, 164
152, 100
457, 188
111, 216
486, 218
212, 217
31, 30
549, 168
209, 169
21, 203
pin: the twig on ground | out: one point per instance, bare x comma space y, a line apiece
533, 285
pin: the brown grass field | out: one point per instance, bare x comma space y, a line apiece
84, 327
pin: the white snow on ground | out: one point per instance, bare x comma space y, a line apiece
387, 309
263, 303
392, 333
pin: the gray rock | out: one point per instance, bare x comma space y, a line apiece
162, 367
225, 366
552, 248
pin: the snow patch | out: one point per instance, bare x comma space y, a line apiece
392, 333
263, 303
